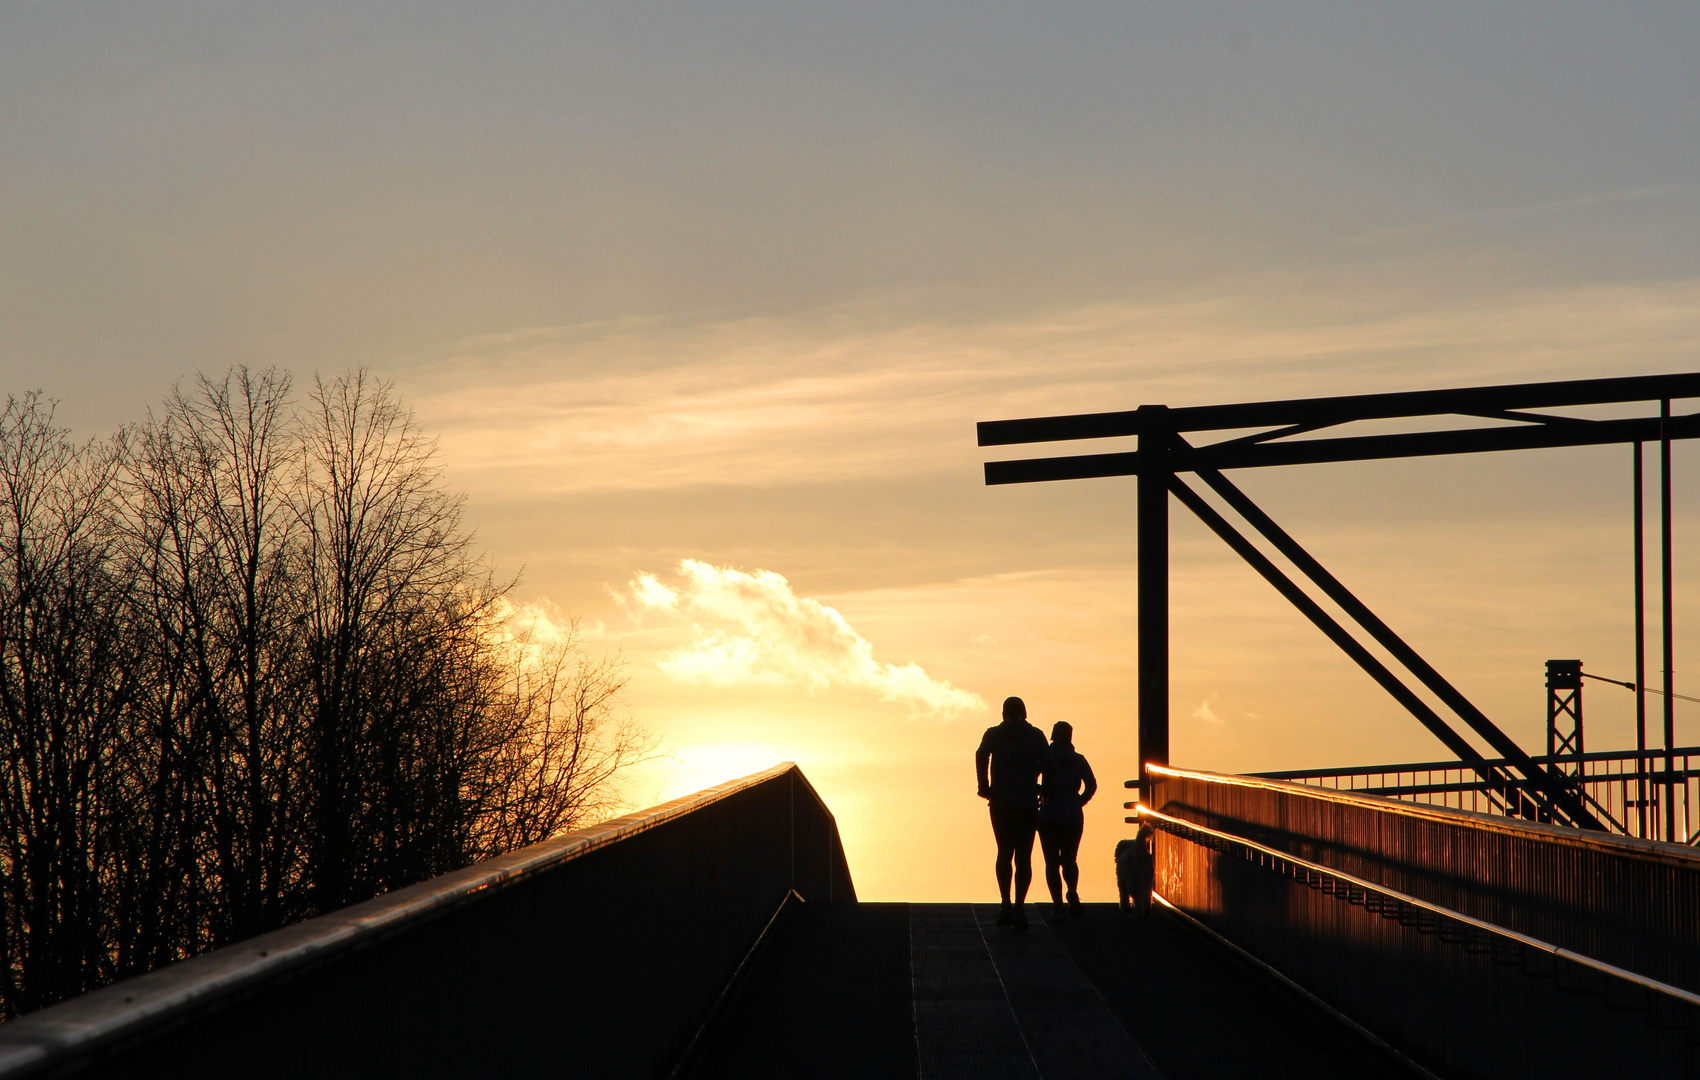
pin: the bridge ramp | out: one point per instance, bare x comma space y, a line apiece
939, 992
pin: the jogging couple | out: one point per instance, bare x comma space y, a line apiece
1010, 761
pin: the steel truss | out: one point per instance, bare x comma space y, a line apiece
1163, 454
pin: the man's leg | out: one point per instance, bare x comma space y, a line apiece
1006, 852
1050, 848
1028, 824
1003, 871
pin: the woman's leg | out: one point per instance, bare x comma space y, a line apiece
1068, 851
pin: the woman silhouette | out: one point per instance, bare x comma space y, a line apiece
1069, 785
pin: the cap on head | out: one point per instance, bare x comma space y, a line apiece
1014, 709
1062, 732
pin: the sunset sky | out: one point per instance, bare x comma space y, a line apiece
702, 302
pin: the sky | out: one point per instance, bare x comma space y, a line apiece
702, 302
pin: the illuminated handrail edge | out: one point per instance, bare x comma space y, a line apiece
1613, 842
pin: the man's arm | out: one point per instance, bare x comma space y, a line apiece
1091, 782
981, 757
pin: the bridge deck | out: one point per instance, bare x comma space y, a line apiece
939, 991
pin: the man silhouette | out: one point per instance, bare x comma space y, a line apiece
1016, 753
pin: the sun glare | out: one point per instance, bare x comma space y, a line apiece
690, 769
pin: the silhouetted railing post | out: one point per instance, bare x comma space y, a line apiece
1564, 710
1670, 691
1644, 796
1153, 505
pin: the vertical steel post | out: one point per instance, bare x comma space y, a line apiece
1665, 558
1564, 709
1153, 531
1644, 798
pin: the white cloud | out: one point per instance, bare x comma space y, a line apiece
537, 628
647, 592
1205, 713
752, 629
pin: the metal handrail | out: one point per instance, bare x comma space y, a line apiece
1182, 827
1454, 763
1612, 783
1458, 786
1614, 842
1401, 791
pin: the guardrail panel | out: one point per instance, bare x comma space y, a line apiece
598, 955
1301, 880
1630, 902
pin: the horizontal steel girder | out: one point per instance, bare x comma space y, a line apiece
1544, 432
1319, 412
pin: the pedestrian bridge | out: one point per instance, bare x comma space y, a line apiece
1299, 932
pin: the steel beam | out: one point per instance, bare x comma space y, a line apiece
1560, 797
1161, 455
1153, 580
1665, 436
1239, 454
1645, 800
1336, 633
1315, 412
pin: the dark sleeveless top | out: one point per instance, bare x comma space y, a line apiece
1068, 783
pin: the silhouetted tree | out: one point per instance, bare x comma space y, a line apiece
252, 670
566, 741
391, 605
68, 674
210, 533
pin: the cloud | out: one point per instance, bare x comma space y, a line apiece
537, 629
1205, 713
647, 592
752, 629
859, 394
538, 622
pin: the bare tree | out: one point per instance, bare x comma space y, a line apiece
250, 670
393, 652
66, 678
568, 741
211, 531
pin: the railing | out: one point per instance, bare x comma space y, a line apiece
1635, 794
1478, 946
600, 953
